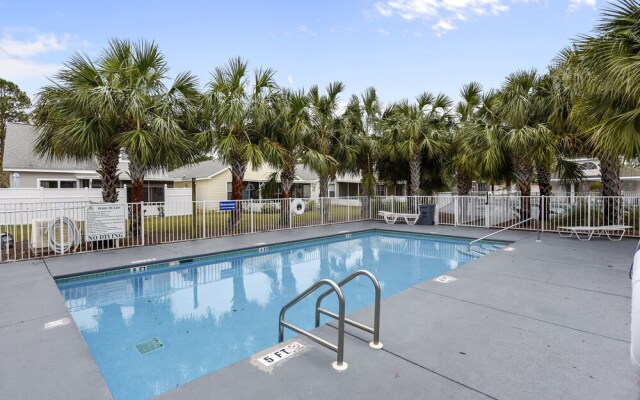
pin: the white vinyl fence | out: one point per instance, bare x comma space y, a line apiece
40, 229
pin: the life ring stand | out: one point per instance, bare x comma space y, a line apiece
297, 207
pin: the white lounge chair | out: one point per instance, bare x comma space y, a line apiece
613, 232
391, 217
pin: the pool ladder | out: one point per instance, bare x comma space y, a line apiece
339, 364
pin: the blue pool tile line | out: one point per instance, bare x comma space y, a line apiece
266, 249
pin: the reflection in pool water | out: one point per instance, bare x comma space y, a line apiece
211, 313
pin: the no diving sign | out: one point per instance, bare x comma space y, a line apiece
280, 354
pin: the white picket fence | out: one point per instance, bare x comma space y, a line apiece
34, 230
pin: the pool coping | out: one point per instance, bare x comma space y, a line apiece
176, 263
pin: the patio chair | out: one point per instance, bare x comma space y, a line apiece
391, 218
585, 233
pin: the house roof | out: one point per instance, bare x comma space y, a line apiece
305, 174
19, 154
202, 170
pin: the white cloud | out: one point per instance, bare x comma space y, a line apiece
574, 5
384, 32
290, 79
24, 51
38, 44
445, 12
304, 29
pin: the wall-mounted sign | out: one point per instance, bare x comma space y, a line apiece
227, 206
104, 222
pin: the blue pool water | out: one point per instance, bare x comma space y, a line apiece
213, 311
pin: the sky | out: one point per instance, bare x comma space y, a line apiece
401, 47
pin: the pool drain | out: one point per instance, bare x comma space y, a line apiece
149, 346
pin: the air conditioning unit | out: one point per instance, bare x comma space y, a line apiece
40, 234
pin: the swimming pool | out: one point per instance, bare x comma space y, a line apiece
152, 328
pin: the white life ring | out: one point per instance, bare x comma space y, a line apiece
297, 207
635, 309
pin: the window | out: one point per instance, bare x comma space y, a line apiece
68, 184
589, 165
381, 190
229, 191
152, 193
58, 183
49, 184
156, 194
332, 190
90, 183
301, 190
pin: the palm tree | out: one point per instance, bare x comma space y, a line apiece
328, 137
606, 96
462, 140
289, 131
120, 102
239, 110
357, 129
411, 129
553, 105
368, 147
527, 138
325, 135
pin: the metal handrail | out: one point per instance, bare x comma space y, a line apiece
339, 349
376, 313
503, 229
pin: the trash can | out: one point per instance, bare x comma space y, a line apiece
427, 212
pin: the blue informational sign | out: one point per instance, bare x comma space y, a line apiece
227, 206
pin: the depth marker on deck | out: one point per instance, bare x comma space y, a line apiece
57, 323
445, 279
280, 354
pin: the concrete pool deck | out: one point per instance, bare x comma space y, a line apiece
546, 320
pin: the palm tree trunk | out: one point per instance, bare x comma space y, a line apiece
108, 171
414, 168
324, 193
524, 175
137, 173
238, 168
465, 183
287, 175
610, 177
368, 185
544, 182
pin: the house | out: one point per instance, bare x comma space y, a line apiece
213, 180
27, 170
629, 178
212, 177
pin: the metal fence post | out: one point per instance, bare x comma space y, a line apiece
543, 215
321, 210
289, 211
141, 215
204, 219
251, 215
456, 221
589, 210
61, 233
486, 211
